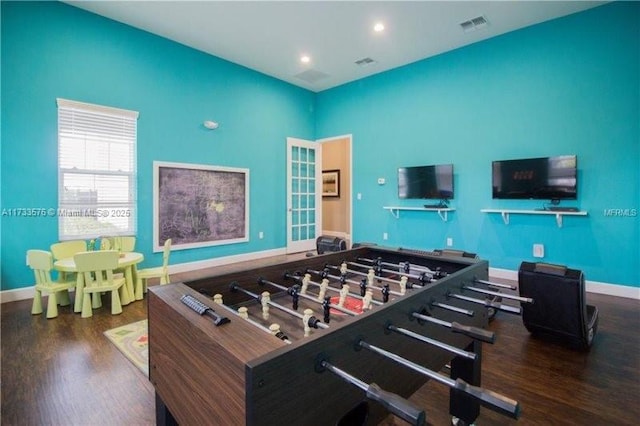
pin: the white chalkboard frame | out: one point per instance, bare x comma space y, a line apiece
207, 193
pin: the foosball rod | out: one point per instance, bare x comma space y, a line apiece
492, 284
400, 270
362, 284
362, 274
262, 281
488, 303
489, 399
331, 288
315, 324
323, 274
469, 331
392, 402
380, 278
496, 293
407, 267
452, 308
282, 336
428, 340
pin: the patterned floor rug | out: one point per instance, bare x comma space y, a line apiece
133, 341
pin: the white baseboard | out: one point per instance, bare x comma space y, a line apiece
591, 286
25, 293
226, 260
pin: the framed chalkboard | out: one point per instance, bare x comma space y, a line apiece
199, 205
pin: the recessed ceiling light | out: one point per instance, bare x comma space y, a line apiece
305, 59
379, 27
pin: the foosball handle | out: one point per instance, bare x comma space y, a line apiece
474, 332
397, 405
491, 400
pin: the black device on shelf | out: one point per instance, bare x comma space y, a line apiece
426, 182
561, 209
546, 178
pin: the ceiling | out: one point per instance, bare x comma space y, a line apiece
271, 36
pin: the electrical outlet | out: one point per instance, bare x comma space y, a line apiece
538, 250
449, 242
385, 236
261, 235
359, 196
381, 181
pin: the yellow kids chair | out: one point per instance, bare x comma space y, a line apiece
161, 272
125, 244
41, 262
64, 250
97, 277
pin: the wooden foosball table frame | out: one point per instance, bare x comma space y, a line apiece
237, 374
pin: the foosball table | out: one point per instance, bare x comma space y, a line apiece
343, 338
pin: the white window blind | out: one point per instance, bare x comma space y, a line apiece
96, 170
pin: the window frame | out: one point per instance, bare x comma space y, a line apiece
84, 126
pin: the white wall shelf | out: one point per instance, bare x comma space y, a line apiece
558, 214
442, 212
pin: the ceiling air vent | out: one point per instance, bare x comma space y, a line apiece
474, 24
311, 76
365, 62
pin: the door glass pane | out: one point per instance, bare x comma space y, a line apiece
303, 190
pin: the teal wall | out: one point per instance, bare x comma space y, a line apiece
52, 50
556, 88
568, 86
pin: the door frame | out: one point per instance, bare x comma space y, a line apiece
349, 138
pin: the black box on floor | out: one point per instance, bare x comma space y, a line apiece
326, 244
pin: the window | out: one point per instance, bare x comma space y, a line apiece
96, 170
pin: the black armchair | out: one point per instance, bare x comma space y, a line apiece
559, 305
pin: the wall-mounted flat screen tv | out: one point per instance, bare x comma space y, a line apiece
547, 178
426, 182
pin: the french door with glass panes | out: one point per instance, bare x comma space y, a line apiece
304, 194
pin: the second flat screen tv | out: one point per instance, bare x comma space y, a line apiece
547, 178
426, 182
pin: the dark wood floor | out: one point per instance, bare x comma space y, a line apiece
65, 372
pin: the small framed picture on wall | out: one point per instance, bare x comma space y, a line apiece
331, 183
